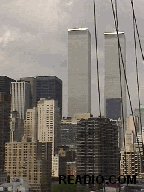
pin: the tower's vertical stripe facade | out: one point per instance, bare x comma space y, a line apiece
79, 71
112, 89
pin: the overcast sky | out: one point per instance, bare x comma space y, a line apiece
33, 39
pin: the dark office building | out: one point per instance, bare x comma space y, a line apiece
97, 148
45, 87
5, 101
5, 84
32, 82
49, 86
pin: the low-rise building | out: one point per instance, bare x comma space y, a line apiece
17, 185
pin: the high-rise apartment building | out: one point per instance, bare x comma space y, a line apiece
5, 102
30, 124
27, 159
68, 129
132, 151
48, 122
16, 127
49, 128
131, 163
112, 87
68, 133
131, 122
79, 71
97, 147
30, 158
129, 141
67, 148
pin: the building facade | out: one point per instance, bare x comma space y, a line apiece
32, 82
130, 163
4, 125
5, 83
79, 71
97, 147
112, 87
49, 128
30, 158
68, 131
17, 185
49, 87
132, 152
24, 159
20, 102
5, 103
30, 124
3, 177
44, 87
16, 127
137, 114
48, 122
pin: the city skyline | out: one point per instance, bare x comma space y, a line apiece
33, 40
58, 62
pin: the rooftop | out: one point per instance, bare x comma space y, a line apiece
113, 33
78, 29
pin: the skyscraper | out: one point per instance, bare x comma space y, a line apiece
97, 147
49, 128
5, 101
44, 87
49, 86
112, 89
137, 114
4, 125
20, 92
5, 83
48, 122
31, 126
20, 102
79, 71
32, 82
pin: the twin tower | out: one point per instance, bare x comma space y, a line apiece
79, 73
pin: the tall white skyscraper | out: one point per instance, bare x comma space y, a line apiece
79, 71
112, 89
20, 102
